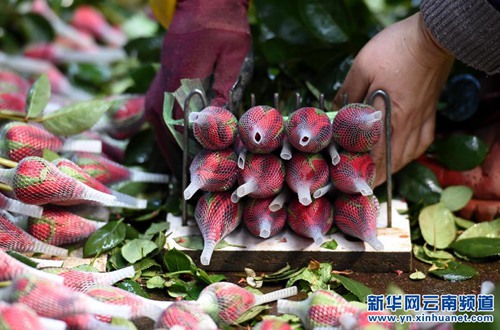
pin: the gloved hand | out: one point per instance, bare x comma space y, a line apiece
208, 40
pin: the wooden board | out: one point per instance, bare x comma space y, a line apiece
266, 255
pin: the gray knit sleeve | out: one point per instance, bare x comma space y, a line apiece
469, 29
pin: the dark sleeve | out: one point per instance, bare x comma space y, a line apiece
469, 29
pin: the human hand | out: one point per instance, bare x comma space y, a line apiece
406, 62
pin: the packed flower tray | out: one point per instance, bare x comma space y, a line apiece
271, 254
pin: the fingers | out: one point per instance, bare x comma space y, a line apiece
356, 85
406, 146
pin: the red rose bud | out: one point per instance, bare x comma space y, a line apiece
215, 128
12, 101
138, 306
88, 322
262, 177
82, 281
186, 315
36, 181
322, 309
15, 206
305, 174
51, 300
108, 172
261, 129
217, 216
11, 82
225, 302
356, 215
90, 20
312, 221
124, 119
309, 129
122, 200
212, 171
260, 220
241, 151
272, 324
11, 268
15, 239
357, 127
18, 317
355, 173
57, 226
22, 140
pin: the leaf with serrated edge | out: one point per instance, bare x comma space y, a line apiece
359, 289
38, 97
75, 118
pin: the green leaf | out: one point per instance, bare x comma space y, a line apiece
132, 286
146, 49
146, 263
455, 272
456, 197
463, 223
437, 225
251, 314
417, 275
132, 233
489, 229
283, 20
105, 238
438, 254
49, 155
35, 28
137, 249
359, 289
155, 228
156, 282
122, 323
332, 244
418, 183
140, 148
38, 97
89, 73
460, 152
75, 118
477, 247
320, 23
22, 258
176, 260
419, 253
